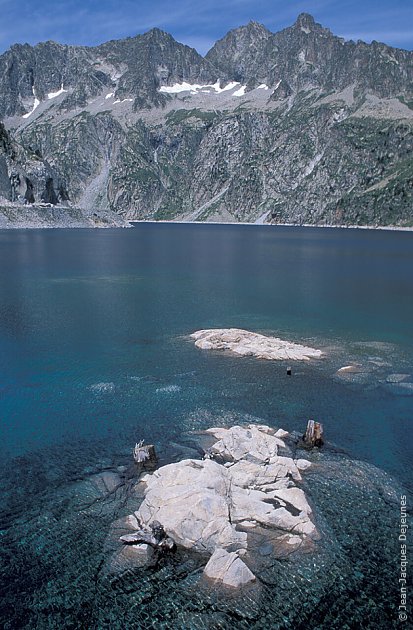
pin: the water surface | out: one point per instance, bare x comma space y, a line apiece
95, 354
94, 325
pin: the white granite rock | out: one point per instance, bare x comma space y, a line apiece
280, 433
295, 497
203, 504
302, 464
246, 343
228, 569
245, 443
189, 499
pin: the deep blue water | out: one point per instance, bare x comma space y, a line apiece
95, 354
84, 307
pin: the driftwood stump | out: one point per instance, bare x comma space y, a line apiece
144, 454
314, 434
155, 536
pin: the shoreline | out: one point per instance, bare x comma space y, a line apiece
66, 217
35, 216
392, 228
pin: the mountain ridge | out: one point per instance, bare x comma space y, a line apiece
295, 126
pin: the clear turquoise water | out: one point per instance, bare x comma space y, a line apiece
95, 354
84, 307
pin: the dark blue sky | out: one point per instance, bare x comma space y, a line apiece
91, 22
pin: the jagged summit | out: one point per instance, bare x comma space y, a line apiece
294, 125
307, 24
230, 53
306, 20
158, 35
251, 31
254, 27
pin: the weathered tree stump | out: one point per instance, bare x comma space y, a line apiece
144, 454
155, 537
314, 434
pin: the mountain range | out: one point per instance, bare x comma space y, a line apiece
297, 126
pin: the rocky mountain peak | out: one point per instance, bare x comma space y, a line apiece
305, 23
231, 53
255, 29
157, 35
305, 20
241, 37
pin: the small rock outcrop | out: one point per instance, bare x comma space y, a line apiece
225, 505
246, 343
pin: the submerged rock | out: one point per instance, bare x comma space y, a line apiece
349, 369
397, 378
245, 343
154, 536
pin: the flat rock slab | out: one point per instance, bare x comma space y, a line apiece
245, 343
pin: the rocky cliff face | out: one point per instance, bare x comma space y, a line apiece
25, 176
297, 126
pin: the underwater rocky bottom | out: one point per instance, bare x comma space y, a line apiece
59, 506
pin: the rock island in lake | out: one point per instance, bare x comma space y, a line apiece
246, 343
239, 504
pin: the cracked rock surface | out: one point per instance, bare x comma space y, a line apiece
225, 506
246, 343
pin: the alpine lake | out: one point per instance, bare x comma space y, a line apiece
95, 355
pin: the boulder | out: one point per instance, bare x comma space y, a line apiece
302, 464
349, 369
396, 378
245, 443
228, 569
107, 481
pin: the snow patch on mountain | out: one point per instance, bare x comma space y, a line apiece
56, 94
196, 88
241, 91
35, 106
